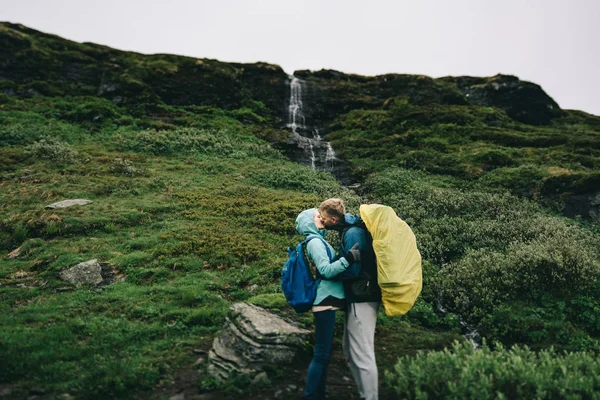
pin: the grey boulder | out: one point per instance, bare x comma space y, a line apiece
252, 339
85, 273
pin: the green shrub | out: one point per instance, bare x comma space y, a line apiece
571, 183
221, 143
248, 116
425, 314
20, 134
295, 177
89, 109
515, 373
542, 323
494, 159
123, 166
522, 180
19, 235
586, 312
208, 317
53, 150
486, 250
563, 264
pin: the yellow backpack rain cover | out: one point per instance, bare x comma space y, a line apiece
399, 270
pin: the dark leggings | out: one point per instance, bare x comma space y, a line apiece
317, 371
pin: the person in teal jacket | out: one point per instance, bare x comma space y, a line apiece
330, 298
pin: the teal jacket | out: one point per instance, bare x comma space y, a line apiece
317, 252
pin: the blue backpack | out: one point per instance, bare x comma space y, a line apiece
297, 281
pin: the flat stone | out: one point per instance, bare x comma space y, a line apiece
252, 339
69, 203
266, 327
85, 273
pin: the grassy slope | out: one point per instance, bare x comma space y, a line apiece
193, 210
190, 219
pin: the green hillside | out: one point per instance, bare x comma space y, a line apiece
194, 206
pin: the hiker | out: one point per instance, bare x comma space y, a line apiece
362, 294
329, 299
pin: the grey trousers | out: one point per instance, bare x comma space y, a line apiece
359, 347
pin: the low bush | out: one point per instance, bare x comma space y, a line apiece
18, 134
516, 373
494, 159
543, 323
522, 180
295, 178
562, 263
89, 110
123, 166
221, 143
53, 150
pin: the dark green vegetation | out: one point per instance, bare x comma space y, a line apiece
193, 209
518, 373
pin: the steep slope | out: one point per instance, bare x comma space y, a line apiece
34, 63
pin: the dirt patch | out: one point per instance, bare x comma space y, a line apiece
340, 385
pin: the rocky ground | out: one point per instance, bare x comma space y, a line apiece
340, 385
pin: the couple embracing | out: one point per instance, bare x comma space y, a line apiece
348, 284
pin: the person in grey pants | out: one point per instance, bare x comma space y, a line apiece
362, 295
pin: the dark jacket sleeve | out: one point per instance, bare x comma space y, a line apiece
350, 237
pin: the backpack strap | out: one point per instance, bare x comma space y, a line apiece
313, 236
310, 262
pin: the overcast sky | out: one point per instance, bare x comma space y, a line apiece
554, 43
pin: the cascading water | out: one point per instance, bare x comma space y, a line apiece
314, 151
295, 108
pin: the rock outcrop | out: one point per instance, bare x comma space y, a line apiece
522, 101
34, 63
252, 339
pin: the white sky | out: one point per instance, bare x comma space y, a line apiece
554, 43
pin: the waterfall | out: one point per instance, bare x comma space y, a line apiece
330, 156
329, 153
315, 151
295, 107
